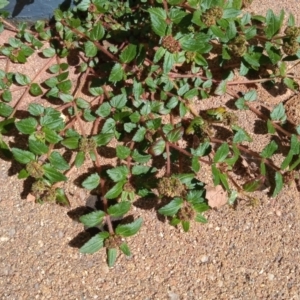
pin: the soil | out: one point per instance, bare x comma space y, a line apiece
250, 252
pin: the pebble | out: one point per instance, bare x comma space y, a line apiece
173, 296
12, 231
204, 258
60, 234
271, 276
4, 239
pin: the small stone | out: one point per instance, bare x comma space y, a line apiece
4, 239
271, 276
217, 228
12, 231
60, 234
173, 296
278, 213
204, 258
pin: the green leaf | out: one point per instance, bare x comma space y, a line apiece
103, 139
287, 160
92, 219
169, 61
278, 184
158, 147
65, 87
117, 73
71, 142
51, 136
273, 53
6, 125
171, 208
118, 101
23, 174
252, 185
103, 110
202, 150
230, 13
52, 119
22, 79
241, 135
185, 225
221, 153
273, 23
128, 54
140, 158
158, 20
90, 49
3, 3
129, 229
160, 52
252, 60
122, 152
58, 162
91, 182
119, 209
22, 156
139, 135
270, 126
198, 42
49, 52
221, 88
79, 159
291, 83
138, 169
251, 95
195, 164
118, 173
53, 175
111, 256
84, 5
61, 197
35, 89
37, 147
201, 219
269, 150
125, 249
6, 96
175, 134
97, 33
278, 113
95, 243
115, 191
291, 20
35, 109
27, 126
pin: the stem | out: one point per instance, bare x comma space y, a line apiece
28, 87
249, 152
12, 27
168, 160
98, 45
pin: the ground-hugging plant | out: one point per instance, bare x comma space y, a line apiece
140, 67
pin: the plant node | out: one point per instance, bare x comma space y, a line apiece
186, 213
114, 241
171, 44
170, 187
210, 17
35, 169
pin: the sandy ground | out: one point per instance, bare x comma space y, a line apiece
251, 252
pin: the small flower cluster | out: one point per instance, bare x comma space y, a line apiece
290, 43
211, 16
238, 47
171, 44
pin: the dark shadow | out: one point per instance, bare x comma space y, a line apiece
20, 4
260, 127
